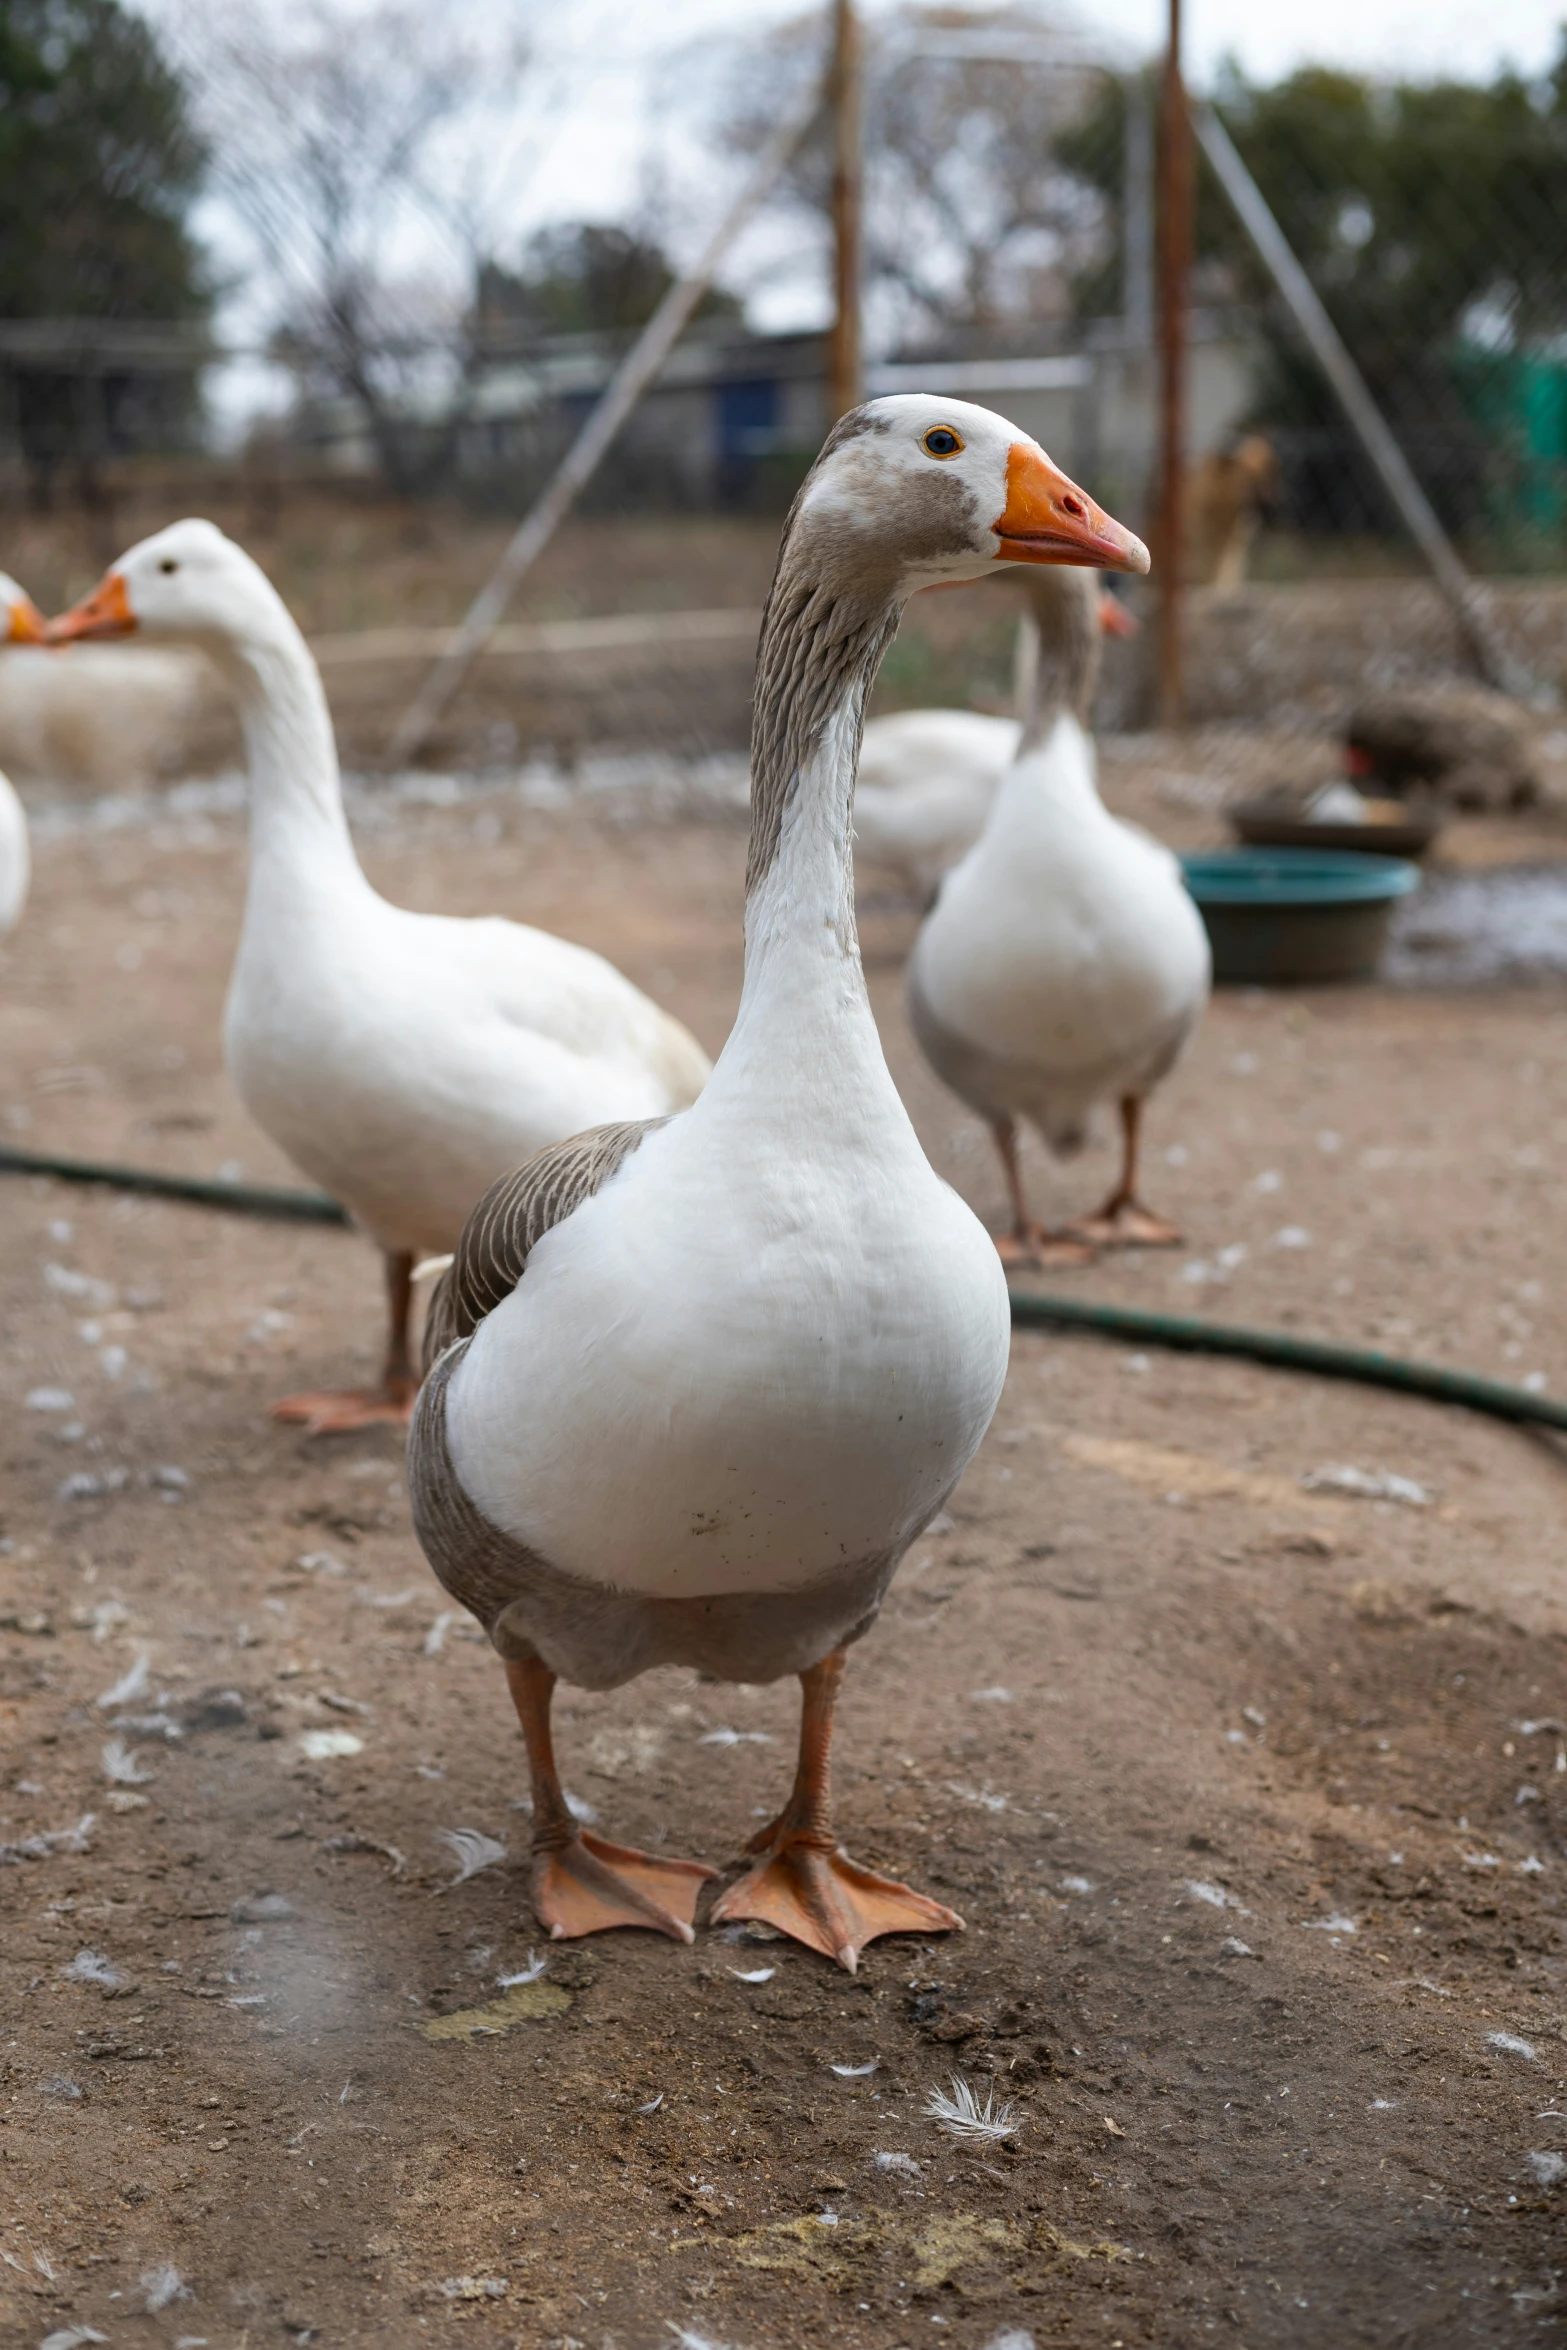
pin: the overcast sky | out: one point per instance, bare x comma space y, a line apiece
603, 133
614, 103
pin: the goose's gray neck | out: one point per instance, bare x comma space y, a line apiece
804, 1006
1063, 605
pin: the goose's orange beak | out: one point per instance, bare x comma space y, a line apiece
1048, 519
1114, 618
106, 612
27, 623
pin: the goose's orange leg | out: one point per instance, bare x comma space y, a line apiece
1029, 1243
581, 1884
1123, 1221
805, 1883
328, 1413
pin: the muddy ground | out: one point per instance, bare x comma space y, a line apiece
1254, 1797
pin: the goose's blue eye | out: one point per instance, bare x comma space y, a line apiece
941, 441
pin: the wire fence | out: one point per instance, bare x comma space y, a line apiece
1426, 217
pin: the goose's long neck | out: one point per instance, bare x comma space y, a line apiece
804, 986
1064, 606
298, 831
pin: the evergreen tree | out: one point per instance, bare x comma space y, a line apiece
99, 166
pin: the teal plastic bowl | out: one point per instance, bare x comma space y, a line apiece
1295, 917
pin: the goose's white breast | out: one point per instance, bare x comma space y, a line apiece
735, 1369
1064, 935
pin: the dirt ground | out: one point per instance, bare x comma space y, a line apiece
1254, 1796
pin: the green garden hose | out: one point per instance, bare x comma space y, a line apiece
1321, 1355
208, 1191
1030, 1311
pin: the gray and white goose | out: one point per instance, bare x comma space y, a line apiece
697, 1383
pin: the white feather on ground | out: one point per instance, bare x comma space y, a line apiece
329, 1745
163, 2285
471, 1849
131, 1685
535, 1967
51, 1840
963, 2117
121, 1767
90, 1966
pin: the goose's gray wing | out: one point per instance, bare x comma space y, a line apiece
511, 1219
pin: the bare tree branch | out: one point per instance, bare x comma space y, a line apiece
327, 131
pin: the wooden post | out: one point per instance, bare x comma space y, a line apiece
845, 379
1175, 265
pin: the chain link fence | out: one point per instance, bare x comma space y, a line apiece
1427, 217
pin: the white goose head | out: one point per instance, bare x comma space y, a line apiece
931, 489
187, 584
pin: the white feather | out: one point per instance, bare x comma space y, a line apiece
963, 2117
471, 1849
121, 1766
163, 2285
131, 1685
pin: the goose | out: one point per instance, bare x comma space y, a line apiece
402, 1060
927, 777
21, 623
1063, 963
695, 1384
926, 781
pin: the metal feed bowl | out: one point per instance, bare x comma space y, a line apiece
1279, 824
1295, 917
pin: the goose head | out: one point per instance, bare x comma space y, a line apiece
929, 490
187, 584
21, 622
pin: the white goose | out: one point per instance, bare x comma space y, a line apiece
1064, 963
21, 623
926, 781
697, 1384
928, 777
403, 1060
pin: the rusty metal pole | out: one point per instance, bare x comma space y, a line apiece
845, 373
1175, 268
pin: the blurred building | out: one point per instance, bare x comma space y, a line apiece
735, 418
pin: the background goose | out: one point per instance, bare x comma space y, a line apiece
697, 1383
926, 781
21, 623
927, 777
1064, 963
403, 1060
